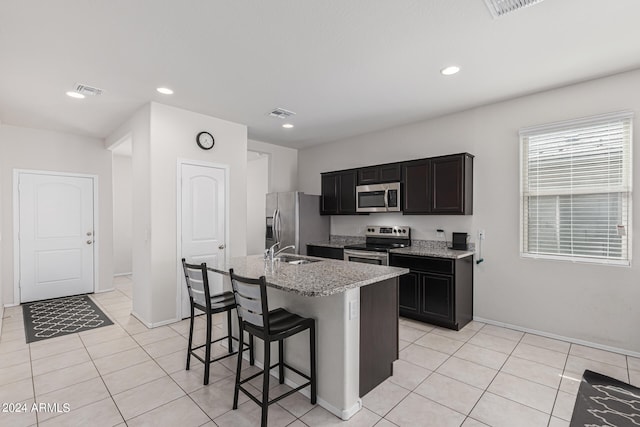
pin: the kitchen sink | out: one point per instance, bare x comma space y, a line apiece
294, 260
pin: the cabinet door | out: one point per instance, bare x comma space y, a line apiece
416, 188
347, 193
325, 252
391, 173
447, 184
369, 175
329, 197
409, 298
436, 296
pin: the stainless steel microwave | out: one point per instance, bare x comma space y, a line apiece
378, 197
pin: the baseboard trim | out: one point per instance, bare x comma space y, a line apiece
342, 414
11, 305
123, 274
155, 324
101, 291
558, 337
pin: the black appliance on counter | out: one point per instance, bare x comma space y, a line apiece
460, 241
379, 240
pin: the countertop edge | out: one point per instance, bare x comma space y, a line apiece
330, 292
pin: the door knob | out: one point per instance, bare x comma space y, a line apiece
89, 233
89, 242
222, 246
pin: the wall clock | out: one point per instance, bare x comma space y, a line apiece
205, 140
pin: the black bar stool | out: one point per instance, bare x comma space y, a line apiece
200, 298
276, 325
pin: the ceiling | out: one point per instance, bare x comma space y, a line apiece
345, 67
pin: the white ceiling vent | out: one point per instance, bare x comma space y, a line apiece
281, 113
502, 7
87, 90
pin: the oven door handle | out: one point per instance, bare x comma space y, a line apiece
365, 254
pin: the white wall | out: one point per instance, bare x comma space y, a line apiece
283, 165
25, 148
593, 303
122, 214
1, 243
161, 135
257, 188
138, 128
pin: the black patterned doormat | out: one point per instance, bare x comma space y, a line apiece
607, 402
61, 316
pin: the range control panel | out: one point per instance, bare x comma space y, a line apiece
387, 231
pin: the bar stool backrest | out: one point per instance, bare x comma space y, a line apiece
251, 300
197, 283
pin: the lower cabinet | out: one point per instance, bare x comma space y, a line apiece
436, 290
325, 252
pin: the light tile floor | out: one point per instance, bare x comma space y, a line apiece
127, 374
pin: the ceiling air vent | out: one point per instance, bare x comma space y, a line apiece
281, 113
502, 7
87, 90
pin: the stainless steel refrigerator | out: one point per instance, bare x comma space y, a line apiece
293, 218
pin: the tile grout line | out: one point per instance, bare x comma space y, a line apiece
427, 377
486, 390
566, 361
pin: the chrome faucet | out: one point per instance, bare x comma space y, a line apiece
268, 254
284, 249
271, 253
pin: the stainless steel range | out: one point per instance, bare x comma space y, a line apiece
380, 239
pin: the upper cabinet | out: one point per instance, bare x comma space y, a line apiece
338, 193
380, 174
439, 185
452, 184
416, 195
432, 186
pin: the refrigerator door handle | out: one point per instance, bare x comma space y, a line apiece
276, 224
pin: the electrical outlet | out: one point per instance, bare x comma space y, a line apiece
354, 309
481, 235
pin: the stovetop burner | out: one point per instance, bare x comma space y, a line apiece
377, 247
382, 239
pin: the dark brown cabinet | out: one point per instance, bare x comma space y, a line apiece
416, 187
325, 252
433, 186
439, 185
379, 174
436, 290
338, 193
452, 184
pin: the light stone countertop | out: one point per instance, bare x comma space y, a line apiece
433, 248
323, 278
340, 242
432, 252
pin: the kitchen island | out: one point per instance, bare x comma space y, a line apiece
356, 311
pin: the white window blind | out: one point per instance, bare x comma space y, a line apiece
576, 190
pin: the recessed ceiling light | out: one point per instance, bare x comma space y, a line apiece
448, 71
287, 125
165, 91
74, 94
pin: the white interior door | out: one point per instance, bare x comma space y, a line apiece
56, 236
203, 212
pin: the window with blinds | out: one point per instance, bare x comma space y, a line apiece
576, 190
